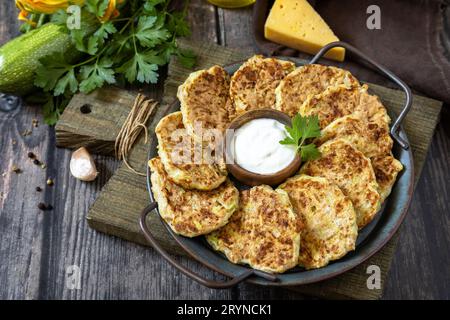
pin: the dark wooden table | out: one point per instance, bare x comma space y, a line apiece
36, 248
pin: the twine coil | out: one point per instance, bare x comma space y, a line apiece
134, 124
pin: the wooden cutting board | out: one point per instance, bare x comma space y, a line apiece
94, 121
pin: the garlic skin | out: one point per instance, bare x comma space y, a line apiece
82, 165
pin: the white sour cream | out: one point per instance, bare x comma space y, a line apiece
257, 146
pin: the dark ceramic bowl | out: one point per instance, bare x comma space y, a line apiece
370, 239
250, 178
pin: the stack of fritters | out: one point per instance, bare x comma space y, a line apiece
312, 218
191, 187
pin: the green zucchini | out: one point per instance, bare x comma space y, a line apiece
19, 58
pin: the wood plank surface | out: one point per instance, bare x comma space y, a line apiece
35, 249
20, 225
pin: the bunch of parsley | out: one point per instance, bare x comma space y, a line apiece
128, 49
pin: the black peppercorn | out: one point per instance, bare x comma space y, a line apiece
36, 162
31, 155
16, 169
42, 206
49, 207
38, 189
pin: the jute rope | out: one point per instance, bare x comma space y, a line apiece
135, 122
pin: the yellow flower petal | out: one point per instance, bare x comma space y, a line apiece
51, 6
45, 6
23, 17
111, 11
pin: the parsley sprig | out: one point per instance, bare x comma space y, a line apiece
302, 129
128, 49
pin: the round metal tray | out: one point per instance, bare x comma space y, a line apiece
370, 239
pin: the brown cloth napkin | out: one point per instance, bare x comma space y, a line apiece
413, 41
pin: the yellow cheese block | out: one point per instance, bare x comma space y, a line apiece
294, 23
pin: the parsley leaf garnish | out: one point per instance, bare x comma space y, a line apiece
142, 67
303, 128
97, 7
95, 75
54, 107
309, 152
150, 31
105, 30
66, 82
56, 74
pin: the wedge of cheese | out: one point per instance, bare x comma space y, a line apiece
294, 23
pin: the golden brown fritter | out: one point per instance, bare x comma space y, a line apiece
192, 212
328, 217
337, 102
351, 171
308, 81
386, 169
253, 84
373, 140
370, 137
264, 232
186, 168
204, 98
371, 108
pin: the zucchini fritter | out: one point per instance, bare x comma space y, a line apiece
205, 101
370, 137
373, 140
253, 85
192, 212
328, 217
337, 102
263, 233
350, 170
386, 169
308, 81
179, 156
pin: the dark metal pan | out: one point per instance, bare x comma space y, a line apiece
370, 240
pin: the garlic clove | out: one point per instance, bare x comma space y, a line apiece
82, 165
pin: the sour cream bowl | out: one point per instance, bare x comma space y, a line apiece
253, 153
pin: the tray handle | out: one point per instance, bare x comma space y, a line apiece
396, 126
208, 283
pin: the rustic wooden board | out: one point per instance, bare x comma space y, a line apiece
117, 208
94, 120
